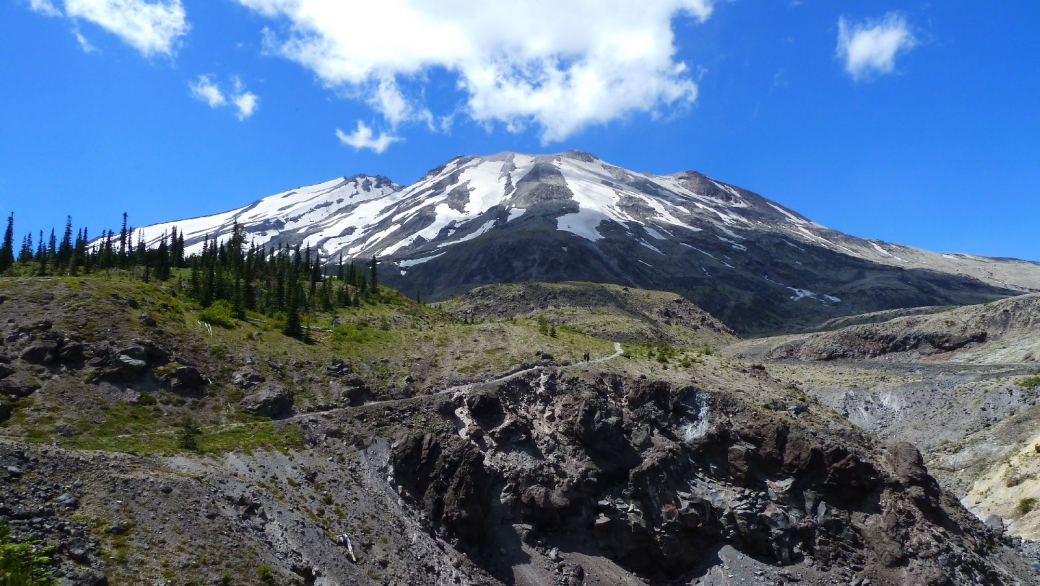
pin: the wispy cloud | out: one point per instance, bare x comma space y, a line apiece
364, 138
870, 47
206, 90
45, 7
152, 27
592, 62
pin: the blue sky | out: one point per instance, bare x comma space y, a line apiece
915, 123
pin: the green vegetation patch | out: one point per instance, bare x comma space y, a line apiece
1026, 505
219, 313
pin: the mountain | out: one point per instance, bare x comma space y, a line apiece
511, 217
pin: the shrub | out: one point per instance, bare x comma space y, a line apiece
219, 314
23, 562
1026, 505
188, 434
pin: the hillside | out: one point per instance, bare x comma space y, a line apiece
510, 217
959, 383
406, 446
1001, 332
612, 312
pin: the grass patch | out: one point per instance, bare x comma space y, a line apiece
1030, 382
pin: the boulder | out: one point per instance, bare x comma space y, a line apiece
5, 370
247, 378
269, 401
352, 391
71, 353
130, 368
186, 378
339, 368
134, 353
18, 386
40, 352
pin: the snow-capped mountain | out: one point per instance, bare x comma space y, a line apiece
572, 216
290, 216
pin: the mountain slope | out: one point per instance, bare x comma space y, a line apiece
512, 217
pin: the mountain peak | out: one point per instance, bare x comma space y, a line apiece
572, 216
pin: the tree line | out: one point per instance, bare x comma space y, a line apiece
282, 281
74, 255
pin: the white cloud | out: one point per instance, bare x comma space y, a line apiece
247, 103
45, 7
205, 90
870, 47
83, 42
560, 66
364, 138
151, 27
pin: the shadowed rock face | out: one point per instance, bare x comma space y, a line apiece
656, 476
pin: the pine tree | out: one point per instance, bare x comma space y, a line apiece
7, 249
123, 236
26, 253
375, 281
293, 326
65, 248
52, 246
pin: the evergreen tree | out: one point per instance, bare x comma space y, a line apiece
375, 281
52, 246
7, 249
293, 326
65, 248
26, 253
123, 240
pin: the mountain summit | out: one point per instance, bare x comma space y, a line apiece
571, 216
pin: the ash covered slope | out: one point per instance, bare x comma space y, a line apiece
513, 217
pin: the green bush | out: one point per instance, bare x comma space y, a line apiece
219, 314
1026, 505
23, 562
188, 434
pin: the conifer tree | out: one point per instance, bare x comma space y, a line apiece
7, 248
375, 280
123, 240
293, 326
26, 253
65, 248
